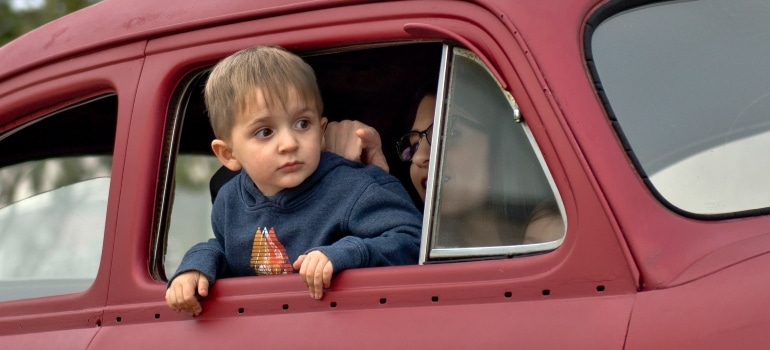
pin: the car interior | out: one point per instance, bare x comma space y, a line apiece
374, 85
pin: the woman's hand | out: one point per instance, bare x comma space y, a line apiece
355, 141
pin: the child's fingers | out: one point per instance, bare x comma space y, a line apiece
318, 280
310, 267
328, 271
171, 300
311, 274
203, 286
175, 297
298, 263
316, 271
188, 300
303, 268
181, 295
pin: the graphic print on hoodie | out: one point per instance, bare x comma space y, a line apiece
268, 256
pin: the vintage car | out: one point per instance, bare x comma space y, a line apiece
645, 124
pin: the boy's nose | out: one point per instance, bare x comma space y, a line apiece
287, 142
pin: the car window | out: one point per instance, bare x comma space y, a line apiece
492, 195
370, 83
521, 211
688, 85
53, 205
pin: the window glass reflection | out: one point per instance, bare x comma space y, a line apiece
492, 190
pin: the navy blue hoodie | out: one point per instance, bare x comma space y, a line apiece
358, 216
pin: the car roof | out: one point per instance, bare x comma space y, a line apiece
114, 22
110, 23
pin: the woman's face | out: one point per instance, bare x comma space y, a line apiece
418, 171
465, 178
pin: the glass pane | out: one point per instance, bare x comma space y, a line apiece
491, 183
688, 84
52, 216
54, 189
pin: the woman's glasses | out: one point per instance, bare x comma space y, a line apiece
407, 145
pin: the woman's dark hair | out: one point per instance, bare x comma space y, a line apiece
428, 88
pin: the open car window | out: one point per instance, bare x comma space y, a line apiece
377, 85
491, 193
54, 188
372, 83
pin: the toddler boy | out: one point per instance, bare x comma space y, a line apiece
291, 206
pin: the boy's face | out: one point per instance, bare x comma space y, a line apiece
280, 147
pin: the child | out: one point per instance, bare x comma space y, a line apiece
290, 202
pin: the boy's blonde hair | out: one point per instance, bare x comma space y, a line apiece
231, 86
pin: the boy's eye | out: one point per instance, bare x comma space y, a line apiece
264, 132
302, 124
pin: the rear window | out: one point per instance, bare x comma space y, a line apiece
54, 188
687, 84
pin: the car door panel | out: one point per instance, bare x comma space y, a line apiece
579, 285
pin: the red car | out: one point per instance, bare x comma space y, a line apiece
644, 125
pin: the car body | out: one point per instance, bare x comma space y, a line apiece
604, 100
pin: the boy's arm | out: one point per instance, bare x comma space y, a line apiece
207, 258
384, 229
198, 270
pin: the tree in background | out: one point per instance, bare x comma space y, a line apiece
15, 22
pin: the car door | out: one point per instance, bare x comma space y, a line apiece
573, 291
63, 130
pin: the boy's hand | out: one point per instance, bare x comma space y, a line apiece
180, 296
355, 141
316, 271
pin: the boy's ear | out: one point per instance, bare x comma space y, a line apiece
224, 153
324, 122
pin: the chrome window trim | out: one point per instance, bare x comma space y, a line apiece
438, 124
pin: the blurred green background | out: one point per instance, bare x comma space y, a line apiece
20, 16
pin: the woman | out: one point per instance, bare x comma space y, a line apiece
493, 189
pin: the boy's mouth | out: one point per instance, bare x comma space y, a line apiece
290, 166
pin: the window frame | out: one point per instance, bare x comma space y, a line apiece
47, 152
430, 254
166, 178
173, 135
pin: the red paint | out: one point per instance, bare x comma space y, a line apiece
630, 273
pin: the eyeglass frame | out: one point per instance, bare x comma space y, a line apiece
414, 147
